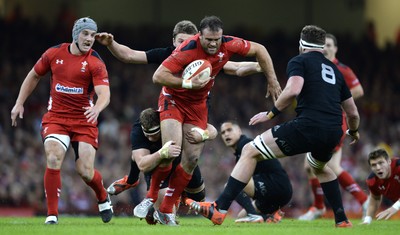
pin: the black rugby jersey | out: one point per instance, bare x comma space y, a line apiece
324, 89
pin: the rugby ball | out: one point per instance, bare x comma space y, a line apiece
202, 67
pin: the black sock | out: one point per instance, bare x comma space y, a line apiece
244, 200
333, 196
133, 173
231, 191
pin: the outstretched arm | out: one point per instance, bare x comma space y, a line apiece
293, 88
265, 61
121, 52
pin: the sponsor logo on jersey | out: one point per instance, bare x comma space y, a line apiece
68, 90
59, 61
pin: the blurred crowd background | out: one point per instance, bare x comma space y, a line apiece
22, 161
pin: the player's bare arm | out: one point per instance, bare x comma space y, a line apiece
264, 59
373, 206
27, 87
164, 77
121, 52
147, 161
357, 92
197, 135
292, 89
242, 69
103, 99
353, 119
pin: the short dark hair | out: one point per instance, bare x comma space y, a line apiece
331, 36
184, 26
313, 34
377, 154
212, 22
149, 118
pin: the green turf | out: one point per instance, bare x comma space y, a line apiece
188, 226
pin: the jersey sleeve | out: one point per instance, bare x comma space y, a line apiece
295, 68
158, 55
98, 70
237, 45
42, 66
349, 77
345, 94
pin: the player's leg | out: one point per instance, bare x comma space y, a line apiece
346, 180
330, 186
317, 208
128, 181
56, 142
240, 176
182, 173
55, 146
85, 156
250, 214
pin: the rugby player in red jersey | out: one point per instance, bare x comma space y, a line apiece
182, 103
384, 181
77, 74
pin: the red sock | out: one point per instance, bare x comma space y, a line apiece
177, 183
52, 188
97, 185
348, 183
158, 175
318, 193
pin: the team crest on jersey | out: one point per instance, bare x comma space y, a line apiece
221, 56
84, 64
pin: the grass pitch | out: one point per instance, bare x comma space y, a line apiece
188, 226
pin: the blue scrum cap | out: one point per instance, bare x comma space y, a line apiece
81, 24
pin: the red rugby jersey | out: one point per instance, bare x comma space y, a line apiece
191, 50
349, 77
390, 188
72, 81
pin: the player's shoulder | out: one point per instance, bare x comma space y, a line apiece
396, 161
96, 55
371, 179
341, 65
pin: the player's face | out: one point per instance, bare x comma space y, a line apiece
330, 49
380, 167
230, 134
86, 39
211, 40
179, 38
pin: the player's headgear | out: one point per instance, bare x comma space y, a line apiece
81, 24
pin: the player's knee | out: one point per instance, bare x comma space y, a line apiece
316, 165
53, 161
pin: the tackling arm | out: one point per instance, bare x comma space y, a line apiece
121, 52
147, 161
